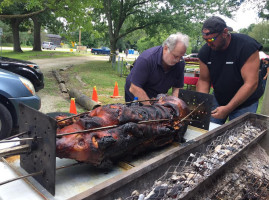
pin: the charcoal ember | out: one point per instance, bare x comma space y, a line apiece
126, 136
230, 148
158, 193
174, 191
141, 197
135, 195
175, 178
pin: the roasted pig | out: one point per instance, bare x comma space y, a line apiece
135, 129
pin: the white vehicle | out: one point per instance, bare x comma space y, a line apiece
48, 45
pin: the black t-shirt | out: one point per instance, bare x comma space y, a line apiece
225, 68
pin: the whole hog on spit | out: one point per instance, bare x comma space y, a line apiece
136, 129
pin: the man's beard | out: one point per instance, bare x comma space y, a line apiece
221, 45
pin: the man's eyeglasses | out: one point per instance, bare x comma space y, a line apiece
212, 39
176, 56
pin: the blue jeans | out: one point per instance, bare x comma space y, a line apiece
235, 113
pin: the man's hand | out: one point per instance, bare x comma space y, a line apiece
220, 112
140, 93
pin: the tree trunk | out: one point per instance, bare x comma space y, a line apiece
37, 35
113, 43
16, 34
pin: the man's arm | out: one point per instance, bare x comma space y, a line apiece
175, 92
140, 93
203, 84
250, 75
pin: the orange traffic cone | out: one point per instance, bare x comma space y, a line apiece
116, 91
73, 108
94, 94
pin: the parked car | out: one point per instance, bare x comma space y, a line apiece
103, 50
48, 45
191, 58
14, 89
24, 68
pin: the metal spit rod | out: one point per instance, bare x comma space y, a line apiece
17, 135
19, 140
21, 177
107, 127
37, 173
18, 149
90, 111
140, 122
15, 150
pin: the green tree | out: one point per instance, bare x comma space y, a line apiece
261, 33
247, 30
7, 33
14, 13
122, 17
76, 14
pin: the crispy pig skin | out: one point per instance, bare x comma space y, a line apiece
101, 148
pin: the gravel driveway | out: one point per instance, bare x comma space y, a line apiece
54, 63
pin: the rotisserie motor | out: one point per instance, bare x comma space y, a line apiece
135, 131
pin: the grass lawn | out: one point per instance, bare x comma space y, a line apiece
96, 73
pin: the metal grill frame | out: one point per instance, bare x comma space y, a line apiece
255, 184
142, 177
43, 153
201, 117
195, 183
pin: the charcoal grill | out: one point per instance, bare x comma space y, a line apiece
142, 173
254, 187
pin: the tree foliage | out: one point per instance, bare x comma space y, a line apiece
261, 33
42, 12
122, 17
264, 12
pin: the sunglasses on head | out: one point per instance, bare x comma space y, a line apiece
212, 39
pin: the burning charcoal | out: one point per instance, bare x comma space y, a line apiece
175, 178
217, 148
192, 155
234, 176
230, 148
158, 193
197, 178
227, 152
141, 197
215, 155
239, 141
189, 176
158, 183
182, 178
231, 138
200, 162
174, 191
135, 195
